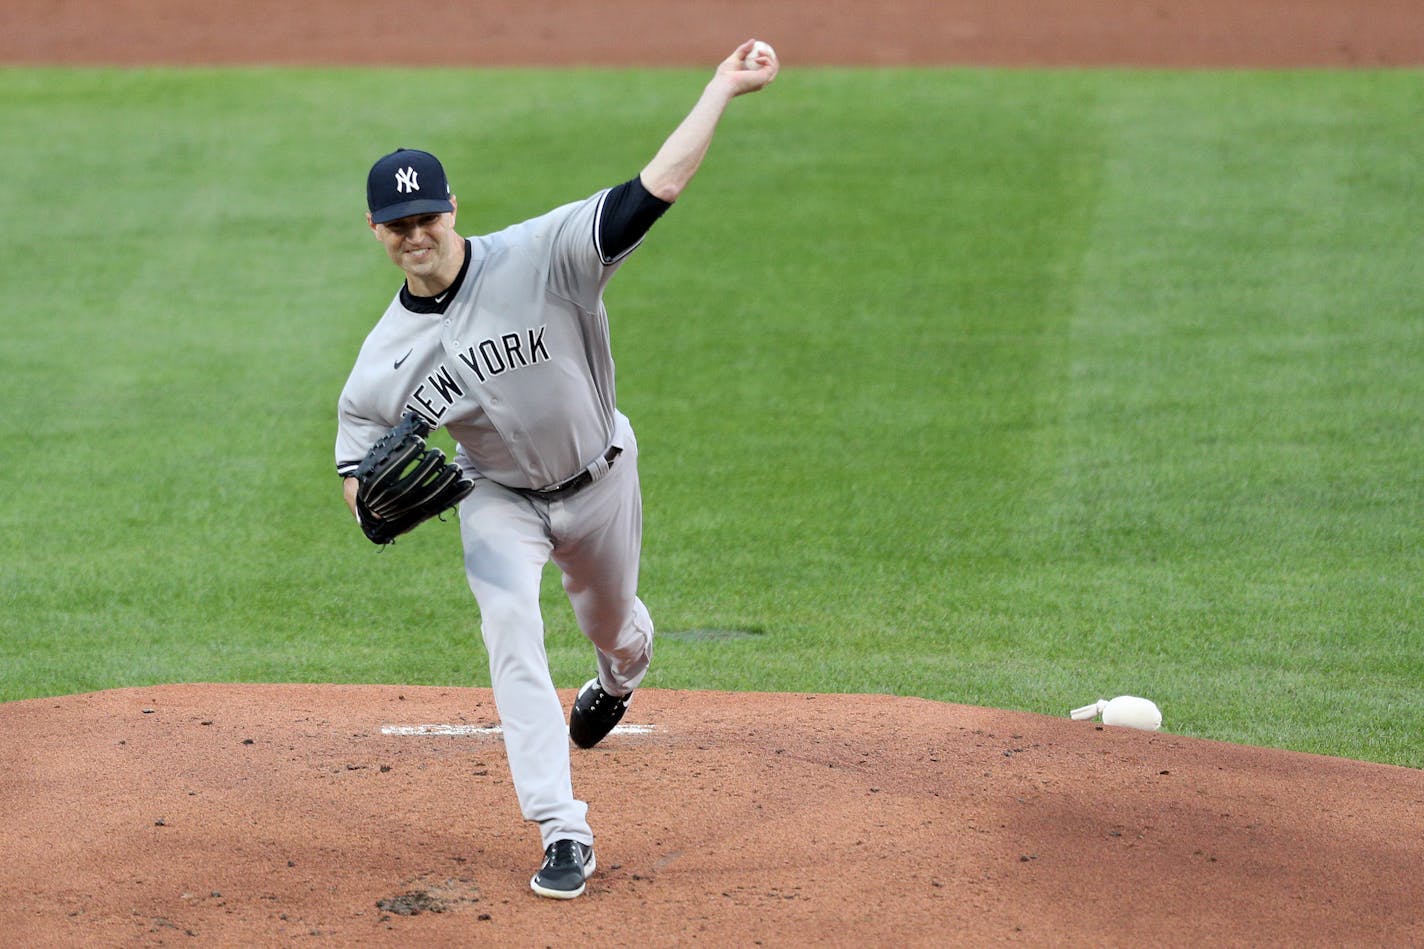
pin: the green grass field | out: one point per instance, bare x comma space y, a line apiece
1009, 388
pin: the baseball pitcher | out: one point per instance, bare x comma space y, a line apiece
503, 340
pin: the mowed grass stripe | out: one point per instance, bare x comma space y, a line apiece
1013, 388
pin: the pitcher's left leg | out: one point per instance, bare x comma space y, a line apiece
506, 547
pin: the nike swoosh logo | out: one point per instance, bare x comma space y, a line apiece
404, 358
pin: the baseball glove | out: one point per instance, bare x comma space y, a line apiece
403, 483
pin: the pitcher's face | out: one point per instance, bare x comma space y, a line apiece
424, 246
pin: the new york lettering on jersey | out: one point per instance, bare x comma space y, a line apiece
488, 358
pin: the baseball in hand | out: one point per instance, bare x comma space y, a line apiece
759, 52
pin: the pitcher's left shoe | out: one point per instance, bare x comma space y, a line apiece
567, 866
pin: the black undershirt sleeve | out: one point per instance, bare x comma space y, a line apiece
628, 211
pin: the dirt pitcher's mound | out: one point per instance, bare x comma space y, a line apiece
237, 815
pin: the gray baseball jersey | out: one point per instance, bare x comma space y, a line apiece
517, 368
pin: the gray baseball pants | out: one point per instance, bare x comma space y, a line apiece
595, 537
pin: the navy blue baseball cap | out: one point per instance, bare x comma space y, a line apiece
405, 182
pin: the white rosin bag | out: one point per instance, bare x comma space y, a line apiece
1129, 711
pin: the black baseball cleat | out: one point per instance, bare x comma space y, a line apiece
595, 713
567, 866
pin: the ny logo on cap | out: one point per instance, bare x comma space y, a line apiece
405, 180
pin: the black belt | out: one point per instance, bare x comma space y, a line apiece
572, 486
